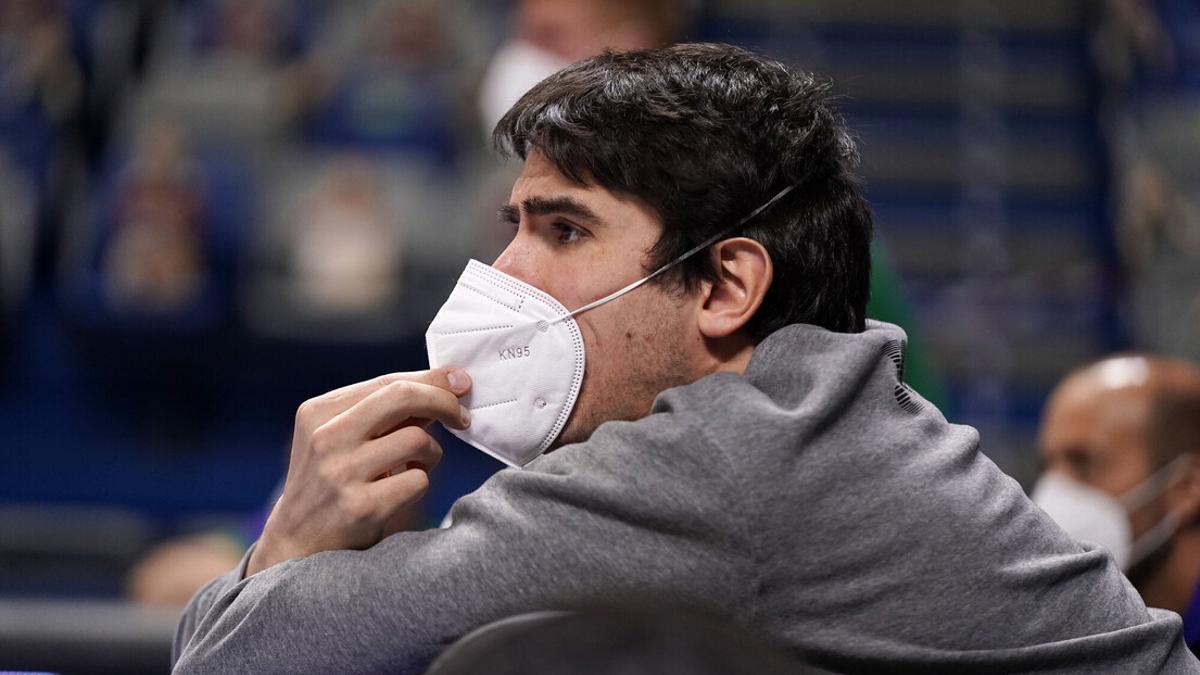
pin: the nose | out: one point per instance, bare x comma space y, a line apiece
517, 260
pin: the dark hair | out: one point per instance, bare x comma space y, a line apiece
703, 134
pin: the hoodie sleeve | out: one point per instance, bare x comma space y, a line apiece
589, 524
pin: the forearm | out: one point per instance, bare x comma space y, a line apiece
528, 540
317, 613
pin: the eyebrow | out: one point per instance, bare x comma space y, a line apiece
541, 206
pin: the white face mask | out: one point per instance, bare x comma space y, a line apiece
1088, 514
524, 353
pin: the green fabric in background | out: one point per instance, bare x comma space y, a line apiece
889, 303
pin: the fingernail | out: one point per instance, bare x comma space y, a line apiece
458, 380
465, 415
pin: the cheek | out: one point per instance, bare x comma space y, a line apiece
628, 340
633, 353
570, 293
571, 286
612, 328
572, 283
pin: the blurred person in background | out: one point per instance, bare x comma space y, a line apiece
1121, 444
17, 234
346, 251
154, 261
1146, 55
550, 34
381, 74
741, 438
174, 569
42, 96
171, 572
226, 71
37, 70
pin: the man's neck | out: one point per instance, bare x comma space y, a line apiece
1173, 584
730, 355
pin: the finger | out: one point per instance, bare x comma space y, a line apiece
409, 404
399, 490
331, 404
407, 447
392, 406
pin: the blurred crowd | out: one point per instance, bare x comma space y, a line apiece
318, 171
291, 169
290, 164
183, 163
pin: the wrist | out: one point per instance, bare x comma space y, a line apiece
255, 564
266, 553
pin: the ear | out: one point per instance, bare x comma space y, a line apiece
1185, 491
744, 274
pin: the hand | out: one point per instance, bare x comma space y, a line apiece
360, 455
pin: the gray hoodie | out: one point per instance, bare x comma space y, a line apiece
815, 498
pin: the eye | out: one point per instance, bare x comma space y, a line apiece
1081, 463
567, 233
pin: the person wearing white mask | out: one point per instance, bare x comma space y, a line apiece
1120, 439
551, 34
673, 357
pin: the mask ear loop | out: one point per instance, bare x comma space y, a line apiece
1142, 494
1148, 490
1153, 539
703, 245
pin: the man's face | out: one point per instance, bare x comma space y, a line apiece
580, 243
1098, 437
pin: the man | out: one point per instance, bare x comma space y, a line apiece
1120, 440
742, 442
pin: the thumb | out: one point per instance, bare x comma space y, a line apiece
454, 380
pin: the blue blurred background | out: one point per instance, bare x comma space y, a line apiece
211, 210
